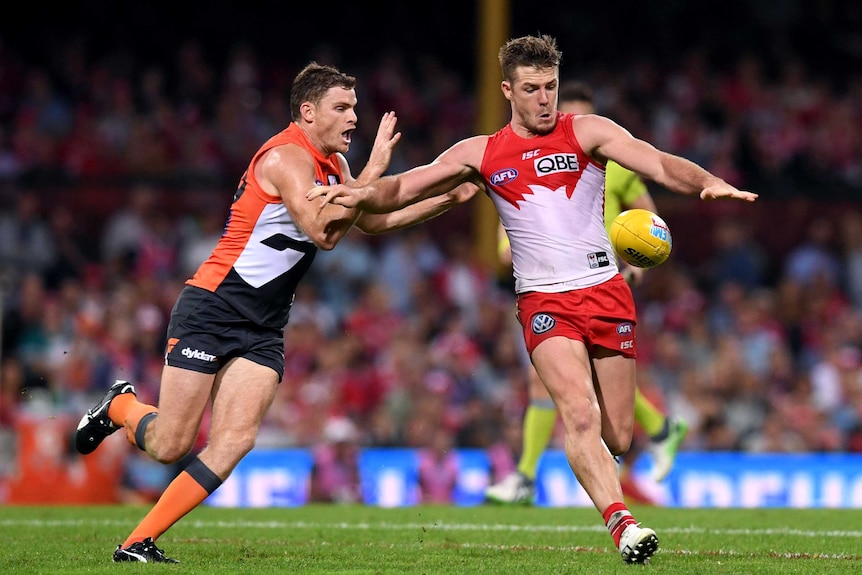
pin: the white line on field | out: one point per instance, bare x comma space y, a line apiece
431, 526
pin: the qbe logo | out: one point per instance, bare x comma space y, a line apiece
555, 163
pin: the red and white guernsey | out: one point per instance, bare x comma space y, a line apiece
550, 197
262, 254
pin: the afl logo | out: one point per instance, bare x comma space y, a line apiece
625, 329
503, 177
542, 323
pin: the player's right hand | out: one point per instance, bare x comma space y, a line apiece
340, 195
632, 275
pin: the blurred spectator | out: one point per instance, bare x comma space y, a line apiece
24, 332
736, 257
815, 261
200, 240
438, 468
408, 257
335, 471
373, 320
71, 257
851, 250
126, 228
26, 244
774, 437
463, 280
341, 274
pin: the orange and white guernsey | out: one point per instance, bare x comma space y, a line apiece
550, 198
262, 254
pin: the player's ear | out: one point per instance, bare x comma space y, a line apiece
307, 111
506, 87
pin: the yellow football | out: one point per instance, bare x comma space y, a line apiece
641, 238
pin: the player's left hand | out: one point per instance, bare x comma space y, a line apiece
384, 143
722, 189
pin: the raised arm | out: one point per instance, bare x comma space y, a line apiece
605, 140
455, 166
381, 151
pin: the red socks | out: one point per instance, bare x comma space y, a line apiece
617, 517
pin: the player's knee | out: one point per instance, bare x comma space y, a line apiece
580, 416
170, 451
234, 445
619, 440
618, 445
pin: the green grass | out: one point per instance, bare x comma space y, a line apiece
424, 540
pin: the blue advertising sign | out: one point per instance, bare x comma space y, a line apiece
390, 478
267, 478
765, 480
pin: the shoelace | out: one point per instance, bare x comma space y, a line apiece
149, 546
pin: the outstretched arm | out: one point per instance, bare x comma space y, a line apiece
452, 168
416, 213
606, 140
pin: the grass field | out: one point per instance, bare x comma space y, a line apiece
417, 540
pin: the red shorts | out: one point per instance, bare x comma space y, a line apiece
599, 316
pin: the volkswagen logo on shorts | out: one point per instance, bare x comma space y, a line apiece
542, 322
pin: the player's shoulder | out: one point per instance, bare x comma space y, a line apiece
468, 151
473, 143
290, 153
584, 124
276, 166
593, 130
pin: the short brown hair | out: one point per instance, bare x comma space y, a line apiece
312, 83
573, 91
530, 51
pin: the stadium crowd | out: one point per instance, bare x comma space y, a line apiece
115, 182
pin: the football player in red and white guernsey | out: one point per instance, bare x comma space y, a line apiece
545, 173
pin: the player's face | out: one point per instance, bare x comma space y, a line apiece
335, 119
533, 94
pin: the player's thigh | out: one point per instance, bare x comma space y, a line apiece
563, 365
183, 397
243, 393
615, 388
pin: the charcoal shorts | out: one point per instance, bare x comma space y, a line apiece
205, 332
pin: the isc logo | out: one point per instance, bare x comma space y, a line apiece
556, 163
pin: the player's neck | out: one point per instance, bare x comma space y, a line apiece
316, 140
522, 131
